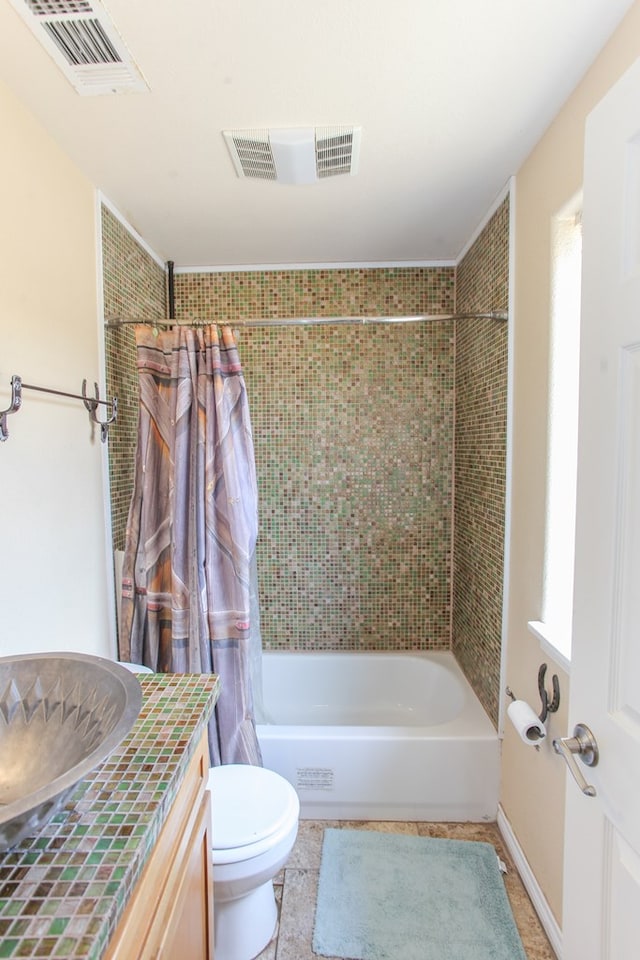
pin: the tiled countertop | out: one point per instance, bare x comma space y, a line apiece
63, 892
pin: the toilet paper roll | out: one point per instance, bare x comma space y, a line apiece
529, 726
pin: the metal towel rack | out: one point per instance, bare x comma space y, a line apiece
91, 403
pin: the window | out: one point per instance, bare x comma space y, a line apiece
554, 629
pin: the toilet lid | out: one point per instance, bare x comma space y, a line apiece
248, 804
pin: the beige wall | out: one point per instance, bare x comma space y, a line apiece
533, 783
52, 540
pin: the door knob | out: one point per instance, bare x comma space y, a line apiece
583, 744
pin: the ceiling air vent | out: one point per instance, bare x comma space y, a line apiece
294, 154
251, 153
82, 40
337, 150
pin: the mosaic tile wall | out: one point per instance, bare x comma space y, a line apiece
354, 440
134, 286
314, 293
353, 431
480, 460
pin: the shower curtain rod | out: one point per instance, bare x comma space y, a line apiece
311, 321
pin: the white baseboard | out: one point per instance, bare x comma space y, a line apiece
538, 899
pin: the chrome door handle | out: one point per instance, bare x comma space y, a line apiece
583, 743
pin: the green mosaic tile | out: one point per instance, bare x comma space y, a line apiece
362, 543
480, 463
63, 892
134, 285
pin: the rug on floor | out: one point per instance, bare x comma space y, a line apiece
386, 896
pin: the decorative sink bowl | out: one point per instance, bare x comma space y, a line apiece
61, 714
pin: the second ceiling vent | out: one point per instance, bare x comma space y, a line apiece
83, 41
294, 155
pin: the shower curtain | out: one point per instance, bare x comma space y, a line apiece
188, 582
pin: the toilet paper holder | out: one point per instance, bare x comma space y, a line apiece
548, 706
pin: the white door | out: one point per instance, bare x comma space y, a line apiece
602, 850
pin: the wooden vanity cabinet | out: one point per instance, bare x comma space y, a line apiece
170, 911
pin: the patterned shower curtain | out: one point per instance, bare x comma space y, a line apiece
187, 590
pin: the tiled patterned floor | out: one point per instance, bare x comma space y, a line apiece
297, 884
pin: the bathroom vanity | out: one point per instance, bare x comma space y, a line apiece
124, 871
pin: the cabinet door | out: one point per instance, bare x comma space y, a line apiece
187, 931
170, 913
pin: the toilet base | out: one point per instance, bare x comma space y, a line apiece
243, 927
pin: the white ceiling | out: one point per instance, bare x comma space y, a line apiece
451, 96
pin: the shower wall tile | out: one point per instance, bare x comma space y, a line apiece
353, 433
480, 460
314, 293
134, 287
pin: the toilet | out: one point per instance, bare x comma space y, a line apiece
254, 826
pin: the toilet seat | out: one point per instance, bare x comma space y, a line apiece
251, 806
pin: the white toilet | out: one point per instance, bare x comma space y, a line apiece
255, 822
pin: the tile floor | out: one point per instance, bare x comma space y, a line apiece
297, 884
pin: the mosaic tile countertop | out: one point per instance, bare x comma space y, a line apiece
63, 892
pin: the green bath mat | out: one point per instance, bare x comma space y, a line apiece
386, 896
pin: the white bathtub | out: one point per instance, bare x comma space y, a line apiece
379, 736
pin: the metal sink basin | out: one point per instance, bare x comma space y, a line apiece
61, 714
